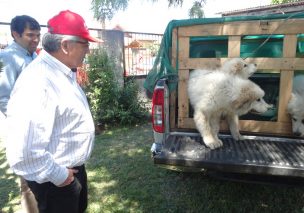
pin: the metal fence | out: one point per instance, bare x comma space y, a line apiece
140, 52
140, 49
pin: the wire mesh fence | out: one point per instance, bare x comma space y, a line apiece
140, 52
140, 49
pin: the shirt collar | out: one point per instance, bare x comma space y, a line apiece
18, 47
55, 63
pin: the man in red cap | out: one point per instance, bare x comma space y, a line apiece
55, 129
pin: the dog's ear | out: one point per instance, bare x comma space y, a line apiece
241, 103
237, 66
291, 103
246, 97
292, 97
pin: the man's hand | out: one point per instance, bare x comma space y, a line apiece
70, 178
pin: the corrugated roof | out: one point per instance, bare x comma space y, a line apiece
270, 6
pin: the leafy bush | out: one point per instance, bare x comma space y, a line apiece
110, 104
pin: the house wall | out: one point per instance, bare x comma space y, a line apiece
266, 10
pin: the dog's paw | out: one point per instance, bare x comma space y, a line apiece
238, 137
213, 144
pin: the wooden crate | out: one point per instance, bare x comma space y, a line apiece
286, 65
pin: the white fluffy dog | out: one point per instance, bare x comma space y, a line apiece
214, 94
295, 106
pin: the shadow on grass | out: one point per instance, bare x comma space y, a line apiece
9, 189
122, 178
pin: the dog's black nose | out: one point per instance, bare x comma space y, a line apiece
297, 134
255, 65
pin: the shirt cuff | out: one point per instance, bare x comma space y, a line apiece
60, 175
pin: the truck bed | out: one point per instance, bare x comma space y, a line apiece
254, 155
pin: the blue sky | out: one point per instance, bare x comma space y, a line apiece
141, 16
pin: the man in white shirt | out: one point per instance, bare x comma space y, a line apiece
26, 33
51, 130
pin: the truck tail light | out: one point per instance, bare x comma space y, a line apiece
158, 110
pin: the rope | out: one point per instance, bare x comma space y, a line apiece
267, 39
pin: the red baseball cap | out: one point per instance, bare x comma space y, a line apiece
70, 23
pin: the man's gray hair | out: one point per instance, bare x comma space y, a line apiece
51, 42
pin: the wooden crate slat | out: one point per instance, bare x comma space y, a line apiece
234, 46
183, 47
183, 106
284, 94
263, 63
290, 46
183, 101
282, 128
174, 48
172, 100
289, 50
291, 26
277, 128
200, 30
199, 63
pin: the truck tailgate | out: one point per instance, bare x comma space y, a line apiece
254, 155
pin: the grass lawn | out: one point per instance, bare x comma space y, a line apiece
122, 178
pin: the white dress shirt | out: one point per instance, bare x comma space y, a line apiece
14, 58
50, 126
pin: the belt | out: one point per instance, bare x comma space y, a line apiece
81, 167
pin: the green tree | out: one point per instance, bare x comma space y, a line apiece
282, 1
174, 2
106, 9
196, 11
